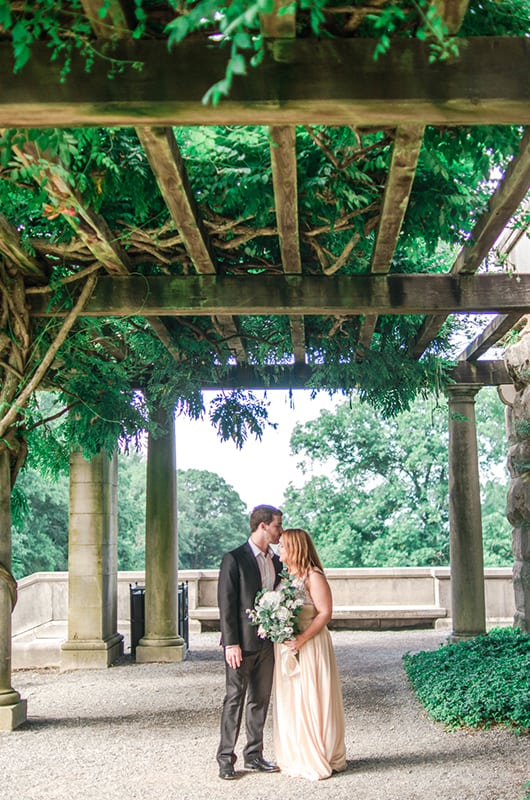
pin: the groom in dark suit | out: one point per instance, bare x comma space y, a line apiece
249, 660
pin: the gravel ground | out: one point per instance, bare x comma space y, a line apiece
150, 732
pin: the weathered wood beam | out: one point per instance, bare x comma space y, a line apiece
13, 251
491, 334
275, 295
166, 161
503, 204
485, 373
482, 373
284, 178
300, 81
164, 157
229, 331
405, 154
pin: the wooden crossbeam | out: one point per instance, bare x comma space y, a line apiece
405, 154
276, 295
503, 204
168, 166
491, 334
300, 81
164, 157
298, 376
284, 178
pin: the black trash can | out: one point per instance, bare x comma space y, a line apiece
138, 614
183, 626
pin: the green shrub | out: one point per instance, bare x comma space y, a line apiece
477, 683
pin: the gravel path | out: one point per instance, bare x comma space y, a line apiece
150, 731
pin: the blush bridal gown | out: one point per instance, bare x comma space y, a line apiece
308, 713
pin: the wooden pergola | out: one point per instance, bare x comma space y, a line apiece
301, 82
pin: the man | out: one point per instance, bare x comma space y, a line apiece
249, 660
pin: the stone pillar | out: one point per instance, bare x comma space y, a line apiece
517, 359
161, 641
13, 710
93, 641
467, 561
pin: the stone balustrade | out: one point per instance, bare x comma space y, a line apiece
381, 598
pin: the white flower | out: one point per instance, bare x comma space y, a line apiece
275, 612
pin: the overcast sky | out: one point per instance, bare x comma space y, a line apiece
261, 471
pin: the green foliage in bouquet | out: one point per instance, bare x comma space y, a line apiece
275, 611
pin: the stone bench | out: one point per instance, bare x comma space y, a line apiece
377, 617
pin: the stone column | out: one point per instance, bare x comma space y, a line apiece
161, 641
517, 359
467, 561
13, 710
93, 641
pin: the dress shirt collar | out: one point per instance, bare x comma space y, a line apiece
257, 551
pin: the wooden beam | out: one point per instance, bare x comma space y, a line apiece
344, 295
405, 154
164, 157
482, 373
485, 373
497, 328
300, 81
503, 204
284, 178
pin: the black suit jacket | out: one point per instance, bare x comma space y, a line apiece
239, 582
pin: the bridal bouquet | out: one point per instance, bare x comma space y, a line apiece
275, 612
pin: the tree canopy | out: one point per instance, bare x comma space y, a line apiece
80, 203
377, 493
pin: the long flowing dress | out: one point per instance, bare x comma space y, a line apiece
308, 712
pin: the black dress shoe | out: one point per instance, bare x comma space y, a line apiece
259, 764
227, 772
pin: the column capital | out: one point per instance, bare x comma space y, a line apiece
464, 391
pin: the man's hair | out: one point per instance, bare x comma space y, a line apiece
263, 514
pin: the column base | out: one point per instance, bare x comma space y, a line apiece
167, 650
91, 654
459, 636
13, 716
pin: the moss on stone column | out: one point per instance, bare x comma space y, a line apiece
13, 710
161, 641
467, 561
517, 359
93, 640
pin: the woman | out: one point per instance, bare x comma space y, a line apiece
308, 715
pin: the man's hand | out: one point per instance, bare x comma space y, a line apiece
233, 656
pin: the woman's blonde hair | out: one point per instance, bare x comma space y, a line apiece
300, 551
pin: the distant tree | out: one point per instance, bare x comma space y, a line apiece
385, 500
40, 526
211, 520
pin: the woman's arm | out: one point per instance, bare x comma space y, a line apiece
320, 592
